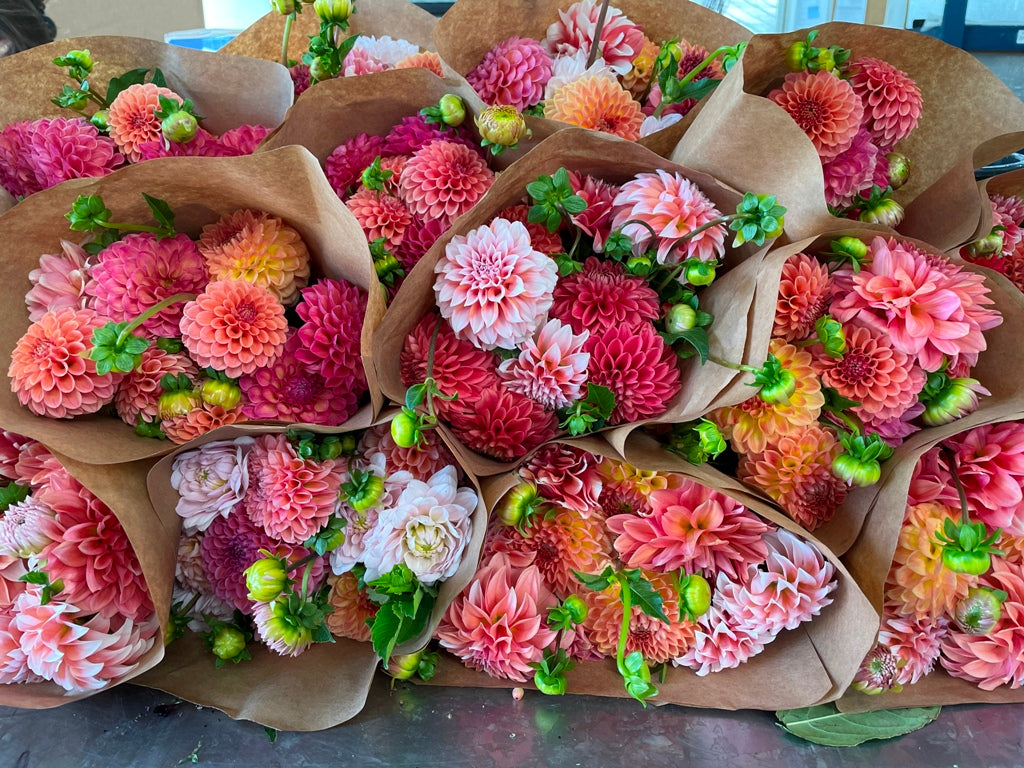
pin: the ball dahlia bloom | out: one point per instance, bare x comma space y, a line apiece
132, 117
234, 326
413, 132
59, 281
673, 207
597, 103
566, 475
352, 608
621, 40
428, 60
602, 297
380, 215
50, 369
70, 148
492, 286
241, 140
513, 72
332, 313
139, 392
419, 236
346, 163
503, 424
496, 624
892, 101
805, 290
210, 481
17, 172
826, 108
200, 420
443, 180
852, 171
378, 449
551, 367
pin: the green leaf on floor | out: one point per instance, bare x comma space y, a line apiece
825, 725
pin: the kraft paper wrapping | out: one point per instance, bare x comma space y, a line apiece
322, 687
396, 18
154, 538
966, 109
227, 92
287, 183
810, 665
614, 160
470, 28
1006, 184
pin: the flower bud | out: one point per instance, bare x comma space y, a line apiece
284, 7
333, 11
796, 56
502, 125
550, 685
82, 59
179, 126
368, 495
990, 245
405, 666
319, 70
957, 399
226, 394
854, 471
453, 109
695, 594
577, 608
639, 266
825, 60
518, 504
780, 390
177, 403
885, 211
405, 430
899, 169
228, 643
681, 317
266, 579
853, 247
980, 611
99, 120
700, 273
386, 265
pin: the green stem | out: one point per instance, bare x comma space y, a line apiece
847, 419
288, 21
733, 366
626, 596
595, 46
301, 562
954, 470
305, 578
575, 243
672, 275
190, 604
709, 225
127, 331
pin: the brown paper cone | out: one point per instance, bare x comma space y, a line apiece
470, 28
327, 684
810, 665
228, 92
396, 18
287, 183
154, 538
614, 160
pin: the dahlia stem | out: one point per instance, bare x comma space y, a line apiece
596, 44
954, 470
430, 370
848, 421
301, 562
733, 366
288, 21
575, 243
689, 76
626, 595
305, 576
190, 605
127, 331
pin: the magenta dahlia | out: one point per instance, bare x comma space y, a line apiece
332, 313
513, 72
502, 423
601, 297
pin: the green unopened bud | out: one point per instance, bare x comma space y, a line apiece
694, 595
577, 608
990, 245
780, 389
954, 401
640, 266
681, 317
825, 61
99, 120
831, 335
502, 125
333, 11
226, 394
320, 69
404, 667
796, 56
266, 579
228, 643
453, 109
980, 611
369, 493
700, 273
550, 685
853, 247
386, 265
284, 7
884, 211
81, 59
179, 126
177, 403
854, 471
405, 430
899, 169
518, 504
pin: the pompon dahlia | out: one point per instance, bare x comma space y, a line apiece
420, 235
139, 271
291, 390
132, 117
380, 215
991, 468
996, 658
657, 641
596, 103
513, 72
259, 248
551, 367
70, 148
805, 290
638, 367
542, 240
22, 533
352, 608
59, 281
50, 370
332, 313
851, 171
205, 418
621, 39
443, 180
379, 451
413, 132
602, 297
492, 286
566, 475
892, 101
557, 544
210, 481
290, 497
346, 163
720, 640
599, 195
140, 390
496, 624
428, 60
242, 140
691, 527
460, 369
918, 583
826, 108
234, 326
915, 643
672, 206
17, 171
503, 424
753, 424
90, 552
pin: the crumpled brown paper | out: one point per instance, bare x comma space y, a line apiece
287, 183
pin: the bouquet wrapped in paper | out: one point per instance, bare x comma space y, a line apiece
636, 69
998, 241
141, 331
86, 569
83, 107
306, 557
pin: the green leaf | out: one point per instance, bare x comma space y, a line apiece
415, 395
129, 78
162, 214
695, 337
645, 596
158, 78
13, 493
399, 580
574, 204
384, 632
271, 733
598, 582
825, 725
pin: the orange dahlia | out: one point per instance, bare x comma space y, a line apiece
804, 293
443, 180
132, 117
826, 108
380, 215
199, 421
352, 607
423, 60
596, 103
637, 79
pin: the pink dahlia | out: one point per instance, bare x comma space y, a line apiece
132, 117
203, 144
691, 527
621, 39
638, 367
378, 449
352, 608
551, 367
497, 623
852, 171
71, 148
384, 51
13, 662
90, 552
210, 481
513, 72
892, 101
290, 497
419, 236
234, 326
346, 163
242, 140
357, 527
826, 108
720, 640
413, 132
50, 370
200, 420
328, 340
380, 215
567, 476
22, 529
443, 180
59, 281
915, 642
1008, 212
599, 195
602, 297
805, 290
493, 287
188, 565
991, 468
672, 206
36, 465
502, 424
139, 271
17, 171
598, 103
140, 390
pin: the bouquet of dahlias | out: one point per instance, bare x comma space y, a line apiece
999, 241
176, 335
786, 92
635, 69
951, 521
595, 570
340, 38
84, 590
525, 321
332, 549
84, 107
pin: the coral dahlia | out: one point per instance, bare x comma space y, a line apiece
551, 367
602, 297
132, 117
443, 180
892, 101
596, 103
502, 424
826, 108
805, 290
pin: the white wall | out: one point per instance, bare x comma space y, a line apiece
135, 18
